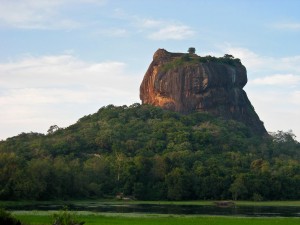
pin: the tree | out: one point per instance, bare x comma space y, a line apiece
191, 50
238, 188
52, 129
227, 56
178, 184
281, 137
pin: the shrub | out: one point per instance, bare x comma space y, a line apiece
64, 217
257, 197
7, 219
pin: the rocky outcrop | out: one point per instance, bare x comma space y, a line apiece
186, 83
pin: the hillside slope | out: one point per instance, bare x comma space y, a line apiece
149, 153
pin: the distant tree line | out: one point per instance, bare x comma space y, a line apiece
151, 154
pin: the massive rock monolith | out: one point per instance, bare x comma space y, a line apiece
187, 82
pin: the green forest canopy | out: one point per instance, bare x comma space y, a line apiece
149, 153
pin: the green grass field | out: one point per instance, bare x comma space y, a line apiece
90, 218
39, 218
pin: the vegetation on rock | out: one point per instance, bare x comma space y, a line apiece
187, 59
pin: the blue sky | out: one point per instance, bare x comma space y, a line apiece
63, 59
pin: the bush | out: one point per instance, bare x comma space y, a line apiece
64, 217
186, 57
7, 219
257, 197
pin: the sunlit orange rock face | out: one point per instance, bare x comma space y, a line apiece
185, 85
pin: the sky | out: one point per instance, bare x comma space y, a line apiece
63, 59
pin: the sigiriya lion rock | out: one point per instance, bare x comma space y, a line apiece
186, 82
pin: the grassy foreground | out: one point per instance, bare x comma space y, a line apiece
43, 218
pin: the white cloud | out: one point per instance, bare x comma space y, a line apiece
164, 30
39, 14
150, 23
27, 13
279, 110
287, 26
288, 63
278, 79
156, 29
112, 32
264, 64
37, 92
45, 14
56, 71
172, 32
99, 2
33, 96
295, 98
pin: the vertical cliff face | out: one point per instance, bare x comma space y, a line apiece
187, 83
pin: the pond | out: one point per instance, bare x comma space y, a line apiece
256, 211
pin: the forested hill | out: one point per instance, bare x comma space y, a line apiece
148, 153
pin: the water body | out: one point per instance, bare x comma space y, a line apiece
253, 211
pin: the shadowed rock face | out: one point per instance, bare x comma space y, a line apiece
187, 86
